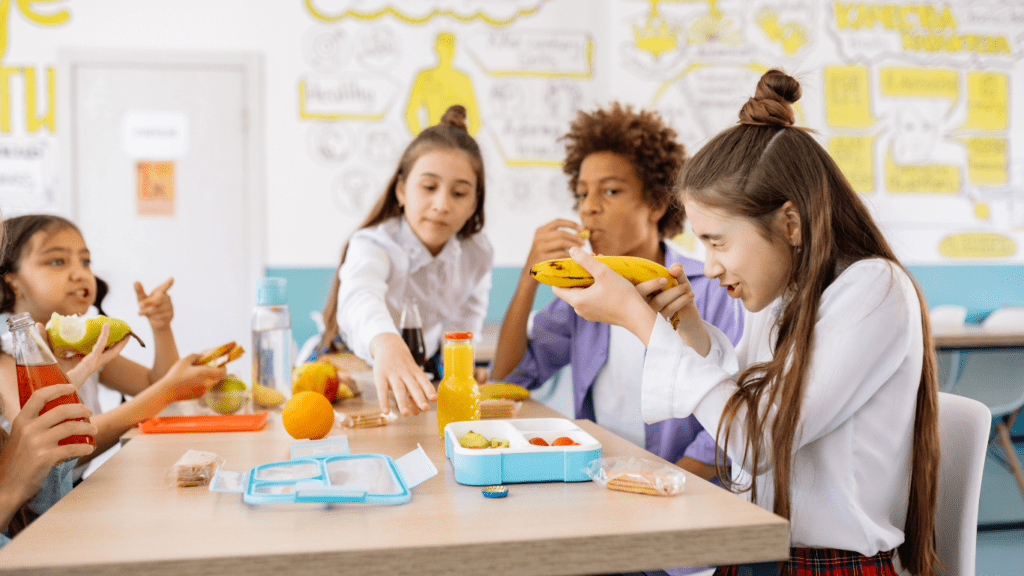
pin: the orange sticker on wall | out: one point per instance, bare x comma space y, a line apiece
155, 194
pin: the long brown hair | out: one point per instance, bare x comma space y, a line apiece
18, 233
449, 134
751, 170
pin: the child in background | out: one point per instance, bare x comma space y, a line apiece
422, 240
830, 402
621, 166
46, 269
36, 472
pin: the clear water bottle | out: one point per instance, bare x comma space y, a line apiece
272, 337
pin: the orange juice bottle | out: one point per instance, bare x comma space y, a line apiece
458, 397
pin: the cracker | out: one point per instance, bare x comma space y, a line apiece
195, 468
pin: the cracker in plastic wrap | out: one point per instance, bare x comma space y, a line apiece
368, 419
194, 468
637, 475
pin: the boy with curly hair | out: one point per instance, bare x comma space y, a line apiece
622, 165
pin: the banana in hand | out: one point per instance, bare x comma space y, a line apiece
566, 273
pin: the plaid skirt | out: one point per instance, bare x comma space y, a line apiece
817, 561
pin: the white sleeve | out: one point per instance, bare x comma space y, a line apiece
861, 337
362, 308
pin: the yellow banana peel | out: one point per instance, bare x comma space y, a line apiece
566, 273
503, 391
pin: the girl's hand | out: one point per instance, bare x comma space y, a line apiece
79, 368
395, 370
156, 306
611, 299
549, 242
186, 381
31, 449
667, 302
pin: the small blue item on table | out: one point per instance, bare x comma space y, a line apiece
495, 491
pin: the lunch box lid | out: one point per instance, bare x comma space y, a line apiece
324, 471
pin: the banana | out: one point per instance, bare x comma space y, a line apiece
503, 390
566, 273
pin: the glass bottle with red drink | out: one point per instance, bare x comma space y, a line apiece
37, 367
412, 331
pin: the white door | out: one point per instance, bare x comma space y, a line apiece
206, 234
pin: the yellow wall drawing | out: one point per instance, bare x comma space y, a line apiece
435, 89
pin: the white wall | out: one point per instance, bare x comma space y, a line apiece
526, 94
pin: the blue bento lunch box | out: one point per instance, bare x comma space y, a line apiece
324, 471
521, 461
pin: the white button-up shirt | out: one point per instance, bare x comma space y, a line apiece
388, 263
851, 471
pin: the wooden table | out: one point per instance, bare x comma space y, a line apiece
125, 519
973, 337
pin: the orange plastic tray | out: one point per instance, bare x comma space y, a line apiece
208, 423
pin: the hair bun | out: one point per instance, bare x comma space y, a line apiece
454, 116
772, 104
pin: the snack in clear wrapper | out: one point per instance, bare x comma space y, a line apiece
194, 468
368, 419
637, 475
499, 408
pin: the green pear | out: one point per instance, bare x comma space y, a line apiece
74, 334
227, 395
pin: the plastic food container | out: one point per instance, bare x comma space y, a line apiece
521, 461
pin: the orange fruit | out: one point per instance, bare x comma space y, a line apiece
308, 415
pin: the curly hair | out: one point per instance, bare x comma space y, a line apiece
642, 138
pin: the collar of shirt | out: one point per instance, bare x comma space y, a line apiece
419, 256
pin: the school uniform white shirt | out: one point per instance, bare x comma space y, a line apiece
851, 471
387, 263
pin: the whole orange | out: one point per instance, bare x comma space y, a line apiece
308, 415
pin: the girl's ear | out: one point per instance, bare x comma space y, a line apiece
400, 192
10, 281
789, 220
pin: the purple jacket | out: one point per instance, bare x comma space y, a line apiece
560, 337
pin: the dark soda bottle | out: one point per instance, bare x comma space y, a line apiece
37, 367
412, 331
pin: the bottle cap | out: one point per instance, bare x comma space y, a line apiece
458, 335
270, 291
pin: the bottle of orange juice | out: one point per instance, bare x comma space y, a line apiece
458, 397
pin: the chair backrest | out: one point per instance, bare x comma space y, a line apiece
963, 438
1010, 318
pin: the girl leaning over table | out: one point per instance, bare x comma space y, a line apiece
829, 403
421, 240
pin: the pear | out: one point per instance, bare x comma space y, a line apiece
71, 335
227, 395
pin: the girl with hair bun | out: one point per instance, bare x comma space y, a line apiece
421, 240
828, 406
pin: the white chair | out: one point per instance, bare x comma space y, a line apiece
996, 379
963, 437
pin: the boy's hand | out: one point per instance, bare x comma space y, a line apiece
551, 241
156, 306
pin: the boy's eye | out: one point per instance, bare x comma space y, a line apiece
610, 191
56, 262
86, 262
